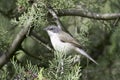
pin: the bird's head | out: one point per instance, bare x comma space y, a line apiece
52, 30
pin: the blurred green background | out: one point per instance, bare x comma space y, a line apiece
99, 37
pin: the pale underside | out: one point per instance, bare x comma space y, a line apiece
63, 42
59, 44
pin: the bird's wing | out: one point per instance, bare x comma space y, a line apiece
68, 39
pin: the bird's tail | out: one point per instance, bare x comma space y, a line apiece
85, 54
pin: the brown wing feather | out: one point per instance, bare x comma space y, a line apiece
68, 39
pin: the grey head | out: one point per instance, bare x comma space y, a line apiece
53, 28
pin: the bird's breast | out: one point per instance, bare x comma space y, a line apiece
61, 46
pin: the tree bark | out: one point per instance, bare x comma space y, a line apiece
16, 43
87, 14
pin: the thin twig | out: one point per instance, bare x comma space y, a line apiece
57, 20
42, 43
116, 21
53, 13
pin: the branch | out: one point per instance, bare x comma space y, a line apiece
16, 43
116, 22
57, 20
41, 40
53, 13
39, 37
87, 14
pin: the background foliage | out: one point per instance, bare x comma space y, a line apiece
100, 38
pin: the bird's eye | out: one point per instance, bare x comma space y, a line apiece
51, 29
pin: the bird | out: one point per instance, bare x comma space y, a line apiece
64, 42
